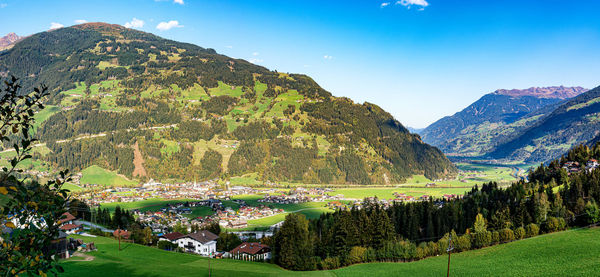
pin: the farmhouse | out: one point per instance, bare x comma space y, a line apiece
202, 242
251, 251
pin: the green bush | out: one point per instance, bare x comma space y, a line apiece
532, 230
554, 224
330, 263
520, 233
482, 239
495, 237
507, 235
356, 255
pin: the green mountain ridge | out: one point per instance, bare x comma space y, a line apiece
148, 107
576, 121
495, 119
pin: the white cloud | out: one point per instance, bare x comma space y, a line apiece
327, 57
55, 25
409, 3
255, 61
229, 46
135, 23
163, 26
255, 54
385, 4
180, 2
3, 5
80, 21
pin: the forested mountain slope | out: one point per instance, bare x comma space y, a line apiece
479, 127
574, 122
148, 107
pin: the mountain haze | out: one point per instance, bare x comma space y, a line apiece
149, 107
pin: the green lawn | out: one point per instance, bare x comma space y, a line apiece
569, 253
97, 175
145, 205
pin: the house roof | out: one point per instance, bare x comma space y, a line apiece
251, 248
203, 236
123, 233
66, 217
172, 236
67, 227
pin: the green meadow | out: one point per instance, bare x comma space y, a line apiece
545, 255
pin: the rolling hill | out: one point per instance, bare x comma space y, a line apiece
559, 253
494, 118
147, 107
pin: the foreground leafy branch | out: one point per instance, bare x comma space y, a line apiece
29, 211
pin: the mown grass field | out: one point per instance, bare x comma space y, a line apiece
569, 253
97, 175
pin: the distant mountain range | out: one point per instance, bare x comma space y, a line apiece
148, 107
574, 121
9, 40
499, 124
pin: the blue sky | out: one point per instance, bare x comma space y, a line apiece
418, 59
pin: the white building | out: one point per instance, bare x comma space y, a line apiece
202, 242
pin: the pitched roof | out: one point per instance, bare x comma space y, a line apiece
203, 236
172, 236
123, 233
67, 227
66, 217
251, 248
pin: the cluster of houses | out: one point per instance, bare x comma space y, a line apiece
94, 195
229, 218
205, 243
575, 167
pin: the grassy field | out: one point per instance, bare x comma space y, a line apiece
569, 253
97, 175
145, 205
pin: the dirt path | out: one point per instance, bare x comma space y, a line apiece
86, 257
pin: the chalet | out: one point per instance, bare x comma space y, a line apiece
251, 251
66, 224
71, 228
171, 237
202, 242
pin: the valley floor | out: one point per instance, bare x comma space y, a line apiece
568, 253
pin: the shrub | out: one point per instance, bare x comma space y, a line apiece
482, 239
554, 224
166, 245
532, 230
356, 255
520, 233
463, 243
330, 263
495, 237
507, 235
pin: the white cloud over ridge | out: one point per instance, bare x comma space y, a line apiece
80, 21
164, 26
55, 25
135, 23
